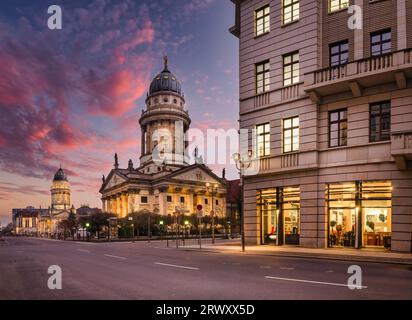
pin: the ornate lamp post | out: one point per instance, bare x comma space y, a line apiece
132, 225
242, 165
212, 213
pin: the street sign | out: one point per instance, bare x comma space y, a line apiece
199, 207
199, 213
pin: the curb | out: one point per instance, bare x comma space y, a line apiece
309, 256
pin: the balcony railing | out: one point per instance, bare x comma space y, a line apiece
359, 74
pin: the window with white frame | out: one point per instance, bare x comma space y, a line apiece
263, 139
262, 77
290, 134
290, 10
262, 20
291, 68
336, 5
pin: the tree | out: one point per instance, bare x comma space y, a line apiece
98, 221
70, 224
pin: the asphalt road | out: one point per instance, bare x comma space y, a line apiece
144, 270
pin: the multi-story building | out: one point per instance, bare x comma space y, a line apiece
165, 183
331, 105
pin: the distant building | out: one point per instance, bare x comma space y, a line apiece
26, 221
86, 211
45, 222
233, 203
164, 183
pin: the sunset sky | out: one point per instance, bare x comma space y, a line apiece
74, 96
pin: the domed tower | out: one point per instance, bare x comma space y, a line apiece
165, 121
60, 191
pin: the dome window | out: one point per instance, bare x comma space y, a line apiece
156, 100
175, 101
166, 100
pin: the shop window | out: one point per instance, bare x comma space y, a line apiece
366, 203
279, 210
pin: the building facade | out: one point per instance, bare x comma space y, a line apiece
164, 183
331, 109
45, 222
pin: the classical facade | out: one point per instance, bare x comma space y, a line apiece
165, 183
331, 110
45, 222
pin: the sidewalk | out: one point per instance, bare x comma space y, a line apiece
361, 255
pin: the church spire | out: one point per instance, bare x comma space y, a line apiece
166, 62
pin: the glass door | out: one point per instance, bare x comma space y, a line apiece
291, 215
267, 205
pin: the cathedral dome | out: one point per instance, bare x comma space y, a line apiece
165, 81
60, 175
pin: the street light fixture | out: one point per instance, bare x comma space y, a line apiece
212, 213
242, 165
132, 225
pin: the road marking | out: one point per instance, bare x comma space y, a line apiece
175, 266
82, 250
314, 282
287, 268
116, 257
330, 271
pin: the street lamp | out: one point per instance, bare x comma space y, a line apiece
132, 225
87, 226
161, 222
242, 165
212, 213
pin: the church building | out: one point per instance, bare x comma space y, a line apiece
165, 182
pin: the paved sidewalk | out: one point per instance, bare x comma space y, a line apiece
363, 255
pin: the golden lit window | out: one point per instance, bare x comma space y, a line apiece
291, 68
262, 20
262, 77
263, 139
291, 134
290, 11
336, 5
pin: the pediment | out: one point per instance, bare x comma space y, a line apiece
197, 174
114, 180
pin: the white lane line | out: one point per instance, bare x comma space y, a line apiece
82, 250
287, 268
315, 282
175, 266
116, 257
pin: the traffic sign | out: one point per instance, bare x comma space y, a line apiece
199, 207
199, 213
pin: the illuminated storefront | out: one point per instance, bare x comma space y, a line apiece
359, 214
279, 212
